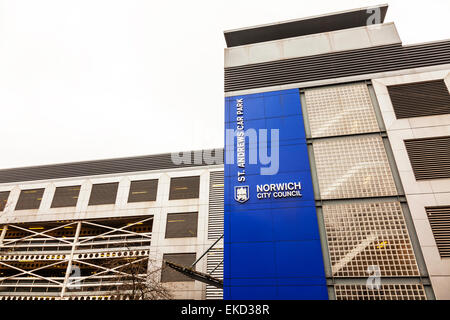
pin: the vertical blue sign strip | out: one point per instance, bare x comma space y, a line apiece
272, 244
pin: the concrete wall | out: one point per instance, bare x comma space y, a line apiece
419, 194
159, 209
327, 42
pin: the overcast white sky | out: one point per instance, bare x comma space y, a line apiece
92, 79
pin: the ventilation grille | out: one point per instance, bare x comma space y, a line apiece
109, 166
430, 157
214, 262
336, 65
420, 99
439, 218
215, 216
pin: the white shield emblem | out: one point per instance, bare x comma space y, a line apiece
241, 193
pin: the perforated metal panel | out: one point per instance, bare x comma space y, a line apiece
368, 234
353, 167
340, 110
3, 200
430, 157
183, 259
420, 99
386, 292
184, 188
66, 197
104, 193
439, 218
216, 202
181, 225
143, 190
30, 199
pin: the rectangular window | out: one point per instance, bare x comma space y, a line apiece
439, 218
3, 200
30, 199
181, 225
420, 99
429, 157
66, 197
103, 193
183, 259
143, 190
184, 188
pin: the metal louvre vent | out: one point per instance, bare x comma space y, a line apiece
216, 199
430, 157
103, 193
439, 218
66, 197
336, 65
107, 166
420, 99
215, 268
30, 199
3, 200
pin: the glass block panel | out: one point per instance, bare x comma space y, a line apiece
363, 235
340, 110
386, 292
353, 167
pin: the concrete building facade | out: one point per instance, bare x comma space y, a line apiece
362, 209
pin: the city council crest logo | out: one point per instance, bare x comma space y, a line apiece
241, 194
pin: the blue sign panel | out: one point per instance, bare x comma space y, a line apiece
272, 245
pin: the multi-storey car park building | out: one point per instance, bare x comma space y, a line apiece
364, 125
89, 214
361, 189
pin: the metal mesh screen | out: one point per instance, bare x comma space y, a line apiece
184, 188
368, 234
66, 197
104, 193
183, 259
30, 199
353, 167
143, 190
340, 110
181, 225
3, 200
386, 292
